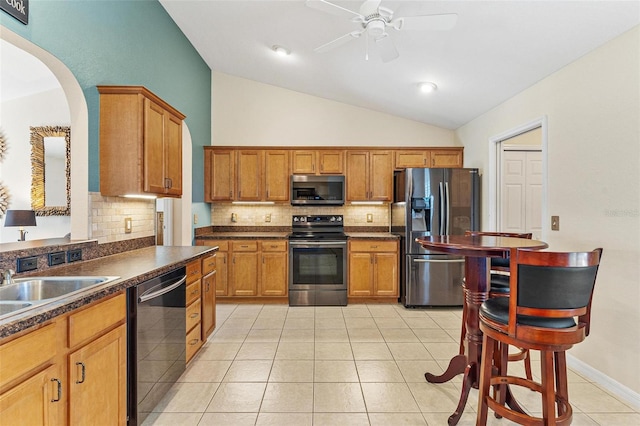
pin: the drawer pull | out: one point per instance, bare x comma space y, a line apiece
82, 374
244, 246
374, 247
59, 390
194, 342
274, 246
194, 315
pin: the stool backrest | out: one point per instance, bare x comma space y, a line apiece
552, 285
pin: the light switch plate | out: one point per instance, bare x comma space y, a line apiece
369, 217
128, 225
555, 223
267, 217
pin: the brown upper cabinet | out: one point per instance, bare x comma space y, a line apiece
445, 157
321, 162
369, 175
246, 174
140, 143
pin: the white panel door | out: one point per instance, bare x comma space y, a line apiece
521, 192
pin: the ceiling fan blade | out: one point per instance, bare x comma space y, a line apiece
339, 41
388, 51
426, 22
331, 8
369, 7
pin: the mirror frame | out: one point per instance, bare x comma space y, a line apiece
37, 170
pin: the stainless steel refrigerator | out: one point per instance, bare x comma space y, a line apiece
433, 202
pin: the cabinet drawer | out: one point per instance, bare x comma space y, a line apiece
373, 245
194, 341
274, 246
193, 292
89, 323
194, 271
222, 245
208, 264
193, 314
26, 353
245, 246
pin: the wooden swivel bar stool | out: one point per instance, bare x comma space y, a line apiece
499, 287
549, 310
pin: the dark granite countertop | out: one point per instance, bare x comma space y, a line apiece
242, 235
132, 267
372, 235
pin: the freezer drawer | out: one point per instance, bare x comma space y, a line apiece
433, 280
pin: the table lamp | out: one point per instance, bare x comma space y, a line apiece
20, 218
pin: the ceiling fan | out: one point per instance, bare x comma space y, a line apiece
374, 21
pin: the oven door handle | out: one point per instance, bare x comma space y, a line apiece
317, 243
153, 292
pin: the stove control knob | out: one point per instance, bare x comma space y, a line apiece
295, 218
332, 219
339, 218
303, 219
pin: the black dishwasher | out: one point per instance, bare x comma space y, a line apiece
156, 327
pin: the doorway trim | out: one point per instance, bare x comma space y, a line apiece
494, 171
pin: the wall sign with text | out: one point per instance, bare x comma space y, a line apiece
19, 9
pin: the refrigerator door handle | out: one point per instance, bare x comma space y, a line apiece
442, 230
447, 209
438, 261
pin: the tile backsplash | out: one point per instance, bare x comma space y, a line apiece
107, 215
280, 215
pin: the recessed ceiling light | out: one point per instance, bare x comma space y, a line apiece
281, 50
427, 87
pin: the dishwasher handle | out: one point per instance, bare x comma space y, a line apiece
153, 292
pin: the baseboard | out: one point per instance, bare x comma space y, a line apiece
596, 376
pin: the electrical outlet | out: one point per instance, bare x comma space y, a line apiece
267, 217
234, 217
369, 217
195, 219
56, 258
27, 264
128, 225
74, 255
555, 223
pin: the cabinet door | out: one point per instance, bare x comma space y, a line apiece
360, 269
385, 274
357, 175
274, 274
249, 174
244, 274
98, 381
208, 304
446, 158
173, 154
380, 176
35, 401
405, 159
331, 162
222, 274
303, 162
153, 167
219, 175
276, 175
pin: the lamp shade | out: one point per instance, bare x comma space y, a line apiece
20, 218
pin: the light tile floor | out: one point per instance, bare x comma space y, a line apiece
353, 365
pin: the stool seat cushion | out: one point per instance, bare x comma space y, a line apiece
500, 262
497, 309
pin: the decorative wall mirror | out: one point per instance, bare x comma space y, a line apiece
51, 170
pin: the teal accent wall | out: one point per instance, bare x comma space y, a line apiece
125, 42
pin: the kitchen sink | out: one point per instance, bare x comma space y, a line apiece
36, 289
7, 307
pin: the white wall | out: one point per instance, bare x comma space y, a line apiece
248, 113
48, 108
593, 111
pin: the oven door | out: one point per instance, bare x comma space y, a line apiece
317, 264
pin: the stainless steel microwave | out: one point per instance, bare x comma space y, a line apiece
312, 190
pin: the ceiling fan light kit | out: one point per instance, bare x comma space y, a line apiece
375, 20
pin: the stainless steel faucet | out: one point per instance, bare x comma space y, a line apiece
7, 277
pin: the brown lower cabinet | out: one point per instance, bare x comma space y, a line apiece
373, 269
251, 268
70, 370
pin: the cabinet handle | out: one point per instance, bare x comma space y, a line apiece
425, 161
196, 291
230, 194
194, 315
83, 372
168, 183
313, 167
433, 162
194, 342
267, 193
59, 390
239, 194
208, 286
